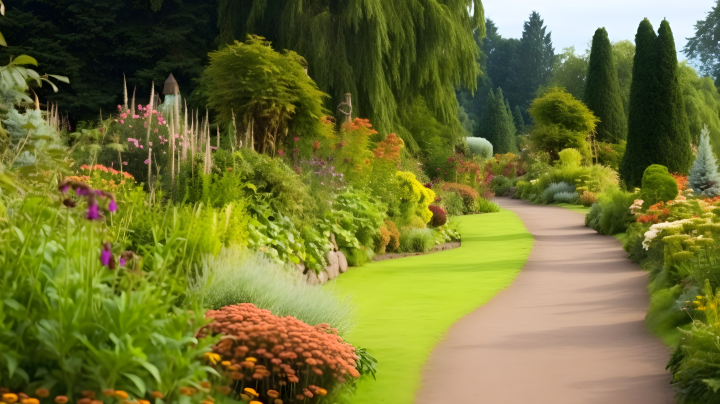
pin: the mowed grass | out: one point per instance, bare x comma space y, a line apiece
405, 306
575, 208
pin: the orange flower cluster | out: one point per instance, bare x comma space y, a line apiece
104, 169
280, 355
649, 218
389, 148
681, 181
359, 123
327, 120
463, 190
88, 397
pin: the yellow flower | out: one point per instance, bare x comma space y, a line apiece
226, 363
250, 359
250, 392
212, 357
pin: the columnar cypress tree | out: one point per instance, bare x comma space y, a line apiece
673, 136
497, 125
518, 119
642, 121
602, 91
534, 61
704, 178
481, 129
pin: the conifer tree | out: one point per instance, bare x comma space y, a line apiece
602, 91
481, 129
704, 178
533, 62
496, 124
642, 120
518, 119
673, 131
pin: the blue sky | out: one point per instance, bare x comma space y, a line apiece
573, 23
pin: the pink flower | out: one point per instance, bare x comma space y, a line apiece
122, 122
119, 107
141, 146
93, 212
147, 161
124, 163
296, 139
123, 116
150, 143
280, 152
130, 126
105, 256
177, 136
156, 130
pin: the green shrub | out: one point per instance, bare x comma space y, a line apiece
657, 185
480, 147
487, 206
500, 185
240, 276
570, 157
548, 195
611, 154
611, 214
416, 240
566, 197
468, 194
452, 202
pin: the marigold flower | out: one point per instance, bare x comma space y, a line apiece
100, 402
9, 398
61, 399
42, 393
251, 392
205, 385
109, 392
30, 401
139, 402
322, 392
212, 357
121, 394
226, 363
225, 389
84, 400
157, 394
186, 391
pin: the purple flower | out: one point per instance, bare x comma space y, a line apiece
112, 207
82, 192
93, 212
105, 256
122, 261
64, 188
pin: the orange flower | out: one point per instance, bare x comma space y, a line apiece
186, 391
121, 394
157, 394
30, 401
61, 399
42, 393
88, 393
273, 394
109, 392
225, 389
9, 398
250, 392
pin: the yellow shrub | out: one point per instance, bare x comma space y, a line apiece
415, 194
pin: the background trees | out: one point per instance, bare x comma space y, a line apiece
703, 47
497, 124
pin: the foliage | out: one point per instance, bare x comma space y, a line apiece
392, 64
548, 195
452, 202
439, 217
703, 46
602, 90
611, 214
416, 240
554, 138
496, 124
487, 206
570, 158
704, 178
469, 195
657, 185
566, 197
588, 198
241, 276
480, 147
535, 59
702, 104
415, 197
266, 89
610, 154
570, 72
115, 38
259, 363
500, 185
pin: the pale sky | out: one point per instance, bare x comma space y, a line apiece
573, 23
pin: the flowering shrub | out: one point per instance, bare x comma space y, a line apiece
103, 177
468, 194
279, 358
507, 165
415, 197
439, 217
681, 180
588, 198
389, 148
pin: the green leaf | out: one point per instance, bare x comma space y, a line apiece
150, 368
2, 40
139, 383
11, 364
714, 384
25, 60
60, 78
12, 303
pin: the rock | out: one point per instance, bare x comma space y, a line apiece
312, 278
342, 261
333, 242
333, 268
323, 277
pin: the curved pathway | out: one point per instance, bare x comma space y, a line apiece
568, 331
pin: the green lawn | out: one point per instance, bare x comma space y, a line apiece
575, 208
404, 306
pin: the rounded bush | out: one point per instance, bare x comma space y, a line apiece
439, 216
279, 357
480, 147
570, 157
657, 185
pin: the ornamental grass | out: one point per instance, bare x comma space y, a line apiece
270, 358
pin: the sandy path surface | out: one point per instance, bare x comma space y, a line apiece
569, 330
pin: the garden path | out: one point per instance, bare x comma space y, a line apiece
569, 329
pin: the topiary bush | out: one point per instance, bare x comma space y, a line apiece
270, 357
439, 217
570, 157
480, 147
657, 186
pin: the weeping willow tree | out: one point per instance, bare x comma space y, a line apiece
385, 53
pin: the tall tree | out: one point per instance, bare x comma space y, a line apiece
673, 131
602, 92
95, 42
518, 120
703, 47
497, 124
535, 60
642, 120
386, 53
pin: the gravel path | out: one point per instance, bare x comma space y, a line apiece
568, 330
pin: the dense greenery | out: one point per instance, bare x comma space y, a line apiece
496, 124
602, 91
703, 46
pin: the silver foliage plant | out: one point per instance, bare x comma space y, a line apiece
704, 178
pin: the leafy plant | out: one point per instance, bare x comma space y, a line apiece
416, 240
657, 185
